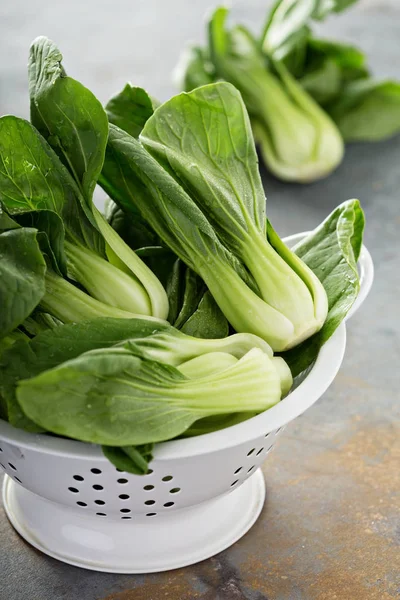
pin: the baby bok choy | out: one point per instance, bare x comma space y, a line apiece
75, 126
38, 192
118, 397
195, 179
297, 138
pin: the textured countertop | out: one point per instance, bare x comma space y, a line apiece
330, 528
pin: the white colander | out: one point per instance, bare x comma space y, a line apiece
201, 496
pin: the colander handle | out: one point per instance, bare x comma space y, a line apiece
366, 271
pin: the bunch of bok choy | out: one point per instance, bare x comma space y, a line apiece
305, 95
160, 319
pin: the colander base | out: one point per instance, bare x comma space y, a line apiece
178, 539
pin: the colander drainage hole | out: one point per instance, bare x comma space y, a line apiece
148, 488
12, 467
150, 502
234, 483
1, 465
78, 478
125, 510
99, 502
1, 449
250, 452
73, 490
267, 434
81, 503
97, 487
238, 470
126, 517
101, 514
175, 490
151, 514
17, 479
168, 504
96, 471
167, 478
149, 472
259, 452
124, 496
122, 480
251, 468
270, 448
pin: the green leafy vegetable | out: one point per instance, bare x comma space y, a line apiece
367, 110
305, 95
53, 347
298, 140
328, 67
22, 277
131, 459
118, 397
131, 176
221, 175
67, 115
130, 109
288, 23
73, 121
207, 321
26, 194
195, 69
331, 251
152, 338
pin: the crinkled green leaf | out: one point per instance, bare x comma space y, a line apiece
130, 459
136, 181
205, 138
31, 177
22, 271
115, 396
207, 321
131, 227
367, 110
53, 347
130, 109
331, 251
6, 222
192, 293
67, 114
51, 236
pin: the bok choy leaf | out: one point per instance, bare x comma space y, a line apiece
74, 122
118, 397
331, 251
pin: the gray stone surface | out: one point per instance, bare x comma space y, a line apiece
329, 530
